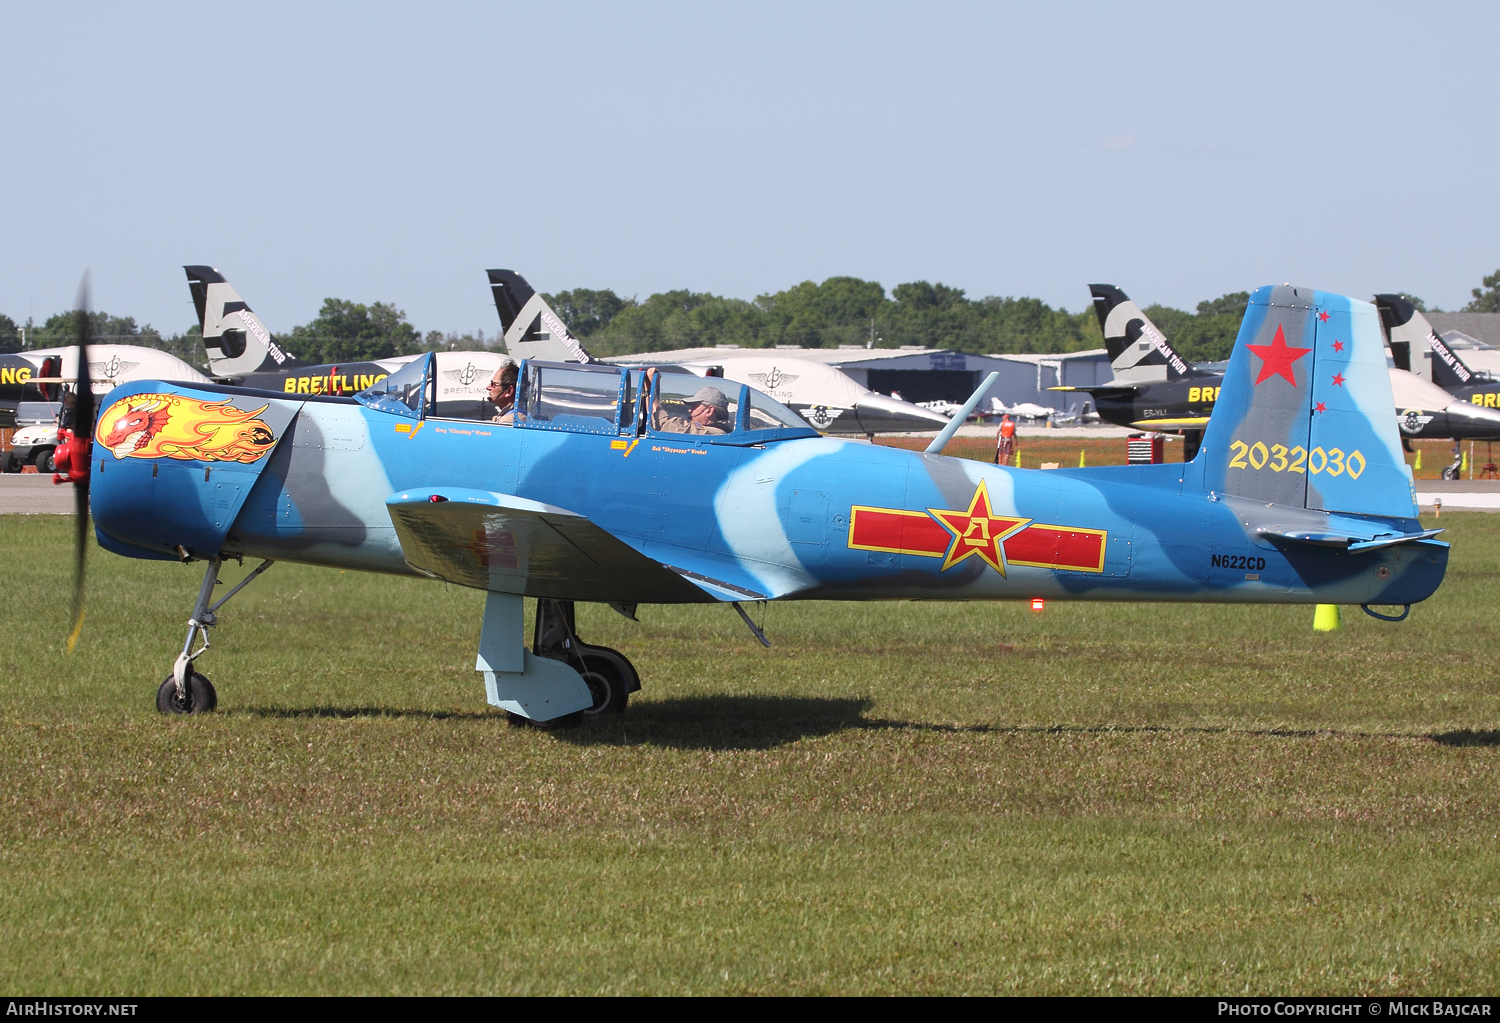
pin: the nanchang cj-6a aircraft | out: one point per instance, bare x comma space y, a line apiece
1298, 495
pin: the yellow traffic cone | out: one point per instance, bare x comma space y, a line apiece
1465, 466
1326, 618
1417, 465
1080, 458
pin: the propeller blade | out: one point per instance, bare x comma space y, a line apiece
80, 453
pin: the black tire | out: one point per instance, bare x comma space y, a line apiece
46, 461
7, 462
606, 686
201, 696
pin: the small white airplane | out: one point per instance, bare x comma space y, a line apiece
1020, 410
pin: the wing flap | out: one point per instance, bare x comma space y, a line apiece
508, 544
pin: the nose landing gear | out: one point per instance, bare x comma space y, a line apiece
186, 691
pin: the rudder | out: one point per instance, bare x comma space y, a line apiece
1306, 416
1138, 351
236, 341
529, 327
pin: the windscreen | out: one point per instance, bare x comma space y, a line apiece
766, 413
401, 392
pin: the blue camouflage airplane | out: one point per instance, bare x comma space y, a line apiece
628, 486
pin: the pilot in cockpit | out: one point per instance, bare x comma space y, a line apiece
501, 392
708, 412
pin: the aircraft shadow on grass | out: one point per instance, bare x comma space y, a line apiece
1468, 737
765, 722
724, 722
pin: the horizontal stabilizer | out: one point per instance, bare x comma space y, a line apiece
1180, 423
1345, 542
511, 545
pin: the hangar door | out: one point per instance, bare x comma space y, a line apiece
925, 384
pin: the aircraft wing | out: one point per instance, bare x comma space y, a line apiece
511, 545
1177, 423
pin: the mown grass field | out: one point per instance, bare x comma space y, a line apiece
905, 797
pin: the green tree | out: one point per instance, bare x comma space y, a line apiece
841, 310
1488, 300
679, 319
10, 335
62, 329
585, 311
346, 331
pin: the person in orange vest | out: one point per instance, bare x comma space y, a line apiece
1005, 441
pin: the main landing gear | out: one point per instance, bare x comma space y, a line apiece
186, 691
610, 676
561, 679
558, 682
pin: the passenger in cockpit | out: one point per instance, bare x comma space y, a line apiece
501, 393
708, 413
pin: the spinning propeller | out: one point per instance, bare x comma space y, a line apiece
78, 454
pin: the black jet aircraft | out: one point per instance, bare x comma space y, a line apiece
1154, 387
1159, 390
1416, 347
15, 387
241, 351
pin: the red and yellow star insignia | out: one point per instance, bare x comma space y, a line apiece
977, 531
1276, 358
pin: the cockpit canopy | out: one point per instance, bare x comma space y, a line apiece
601, 399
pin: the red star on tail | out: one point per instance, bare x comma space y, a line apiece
1277, 358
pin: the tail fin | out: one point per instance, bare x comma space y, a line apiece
237, 343
1305, 417
530, 329
1414, 341
1137, 350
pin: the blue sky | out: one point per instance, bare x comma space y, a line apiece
393, 152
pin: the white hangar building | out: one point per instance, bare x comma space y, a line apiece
930, 374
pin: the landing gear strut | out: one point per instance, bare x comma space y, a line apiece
185, 691
610, 676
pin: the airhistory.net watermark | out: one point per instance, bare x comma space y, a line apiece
49, 1007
